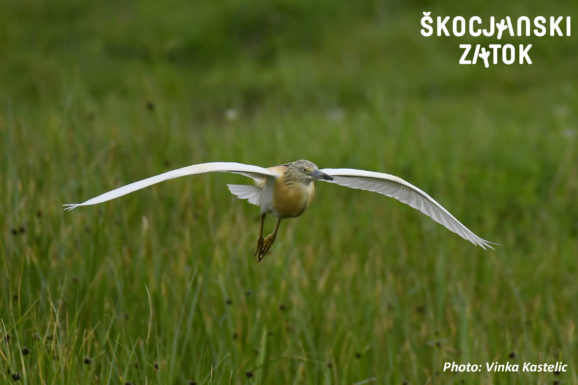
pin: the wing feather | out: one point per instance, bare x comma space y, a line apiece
397, 188
255, 172
250, 193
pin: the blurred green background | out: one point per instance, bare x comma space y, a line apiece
160, 287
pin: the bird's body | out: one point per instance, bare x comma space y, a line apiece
289, 198
287, 190
291, 201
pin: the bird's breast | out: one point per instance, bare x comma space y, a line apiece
291, 200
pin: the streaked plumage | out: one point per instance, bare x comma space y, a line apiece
286, 191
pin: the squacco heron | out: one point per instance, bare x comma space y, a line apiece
286, 191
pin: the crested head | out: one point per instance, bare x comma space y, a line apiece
303, 165
304, 171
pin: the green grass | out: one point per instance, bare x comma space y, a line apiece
160, 287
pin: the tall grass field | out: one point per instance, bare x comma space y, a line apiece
161, 286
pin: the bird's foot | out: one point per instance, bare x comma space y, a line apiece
259, 247
265, 246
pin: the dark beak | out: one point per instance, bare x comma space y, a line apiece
317, 174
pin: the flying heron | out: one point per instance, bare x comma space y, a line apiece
286, 191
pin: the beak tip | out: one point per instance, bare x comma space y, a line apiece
318, 174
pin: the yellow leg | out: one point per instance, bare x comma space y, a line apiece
260, 240
268, 242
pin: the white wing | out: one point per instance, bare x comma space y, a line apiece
255, 172
248, 192
405, 192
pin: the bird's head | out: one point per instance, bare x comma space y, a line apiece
306, 171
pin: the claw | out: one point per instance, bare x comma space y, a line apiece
266, 246
259, 248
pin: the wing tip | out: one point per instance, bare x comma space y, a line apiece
486, 245
71, 206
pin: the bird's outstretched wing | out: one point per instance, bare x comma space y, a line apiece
405, 192
255, 172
